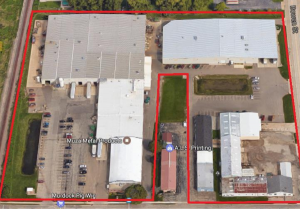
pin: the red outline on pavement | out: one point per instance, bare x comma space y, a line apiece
157, 110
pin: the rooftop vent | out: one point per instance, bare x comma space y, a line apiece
195, 37
243, 37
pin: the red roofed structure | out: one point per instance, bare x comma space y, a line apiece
167, 137
168, 171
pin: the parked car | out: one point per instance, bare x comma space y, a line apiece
67, 155
147, 100
262, 117
69, 135
255, 83
70, 119
81, 183
69, 147
62, 121
82, 166
256, 88
41, 163
69, 127
167, 67
40, 181
47, 114
31, 90
62, 126
46, 125
65, 172
251, 96
41, 158
44, 133
31, 99
68, 161
32, 94
32, 105
255, 78
66, 166
82, 172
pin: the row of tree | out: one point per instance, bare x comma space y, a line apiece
142, 5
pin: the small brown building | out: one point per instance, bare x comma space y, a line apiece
167, 137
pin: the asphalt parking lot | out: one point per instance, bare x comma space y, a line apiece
52, 147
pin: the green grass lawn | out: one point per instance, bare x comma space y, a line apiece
216, 134
223, 85
15, 182
288, 108
284, 69
49, 5
216, 160
9, 22
173, 102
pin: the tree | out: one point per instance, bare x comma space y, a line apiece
139, 5
113, 5
221, 6
201, 5
86, 4
136, 191
151, 146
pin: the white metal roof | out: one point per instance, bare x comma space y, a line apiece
126, 162
250, 125
120, 108
231, 156
225, 38
94, 46
147, 72
204, 157
233, 127
286, 169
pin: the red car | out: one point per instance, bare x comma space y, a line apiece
31, 99
32, 94
262, 117
47, 114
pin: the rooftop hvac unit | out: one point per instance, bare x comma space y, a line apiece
243, 37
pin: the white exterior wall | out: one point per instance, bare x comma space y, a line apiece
280, 194
210, 61
244, 194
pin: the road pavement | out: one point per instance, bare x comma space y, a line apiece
294, 51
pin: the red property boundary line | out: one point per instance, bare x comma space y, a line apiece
157, 109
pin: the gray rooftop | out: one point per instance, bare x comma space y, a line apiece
203, 131
205, 177
95, 46
280, 184
225, 38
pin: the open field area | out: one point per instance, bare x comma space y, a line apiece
49, 5
15, 181
223, 85
173, 104
288, 108
9, 19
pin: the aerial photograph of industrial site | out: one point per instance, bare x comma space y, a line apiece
142, 107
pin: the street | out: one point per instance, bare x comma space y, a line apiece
294, 52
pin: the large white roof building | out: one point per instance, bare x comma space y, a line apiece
82, 48
126, 162
233, 128
219, 41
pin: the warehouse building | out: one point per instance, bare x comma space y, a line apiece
125, 165
245, 186
203, 143
219, 41
235, 127
84, 48
280, 186
168, 171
